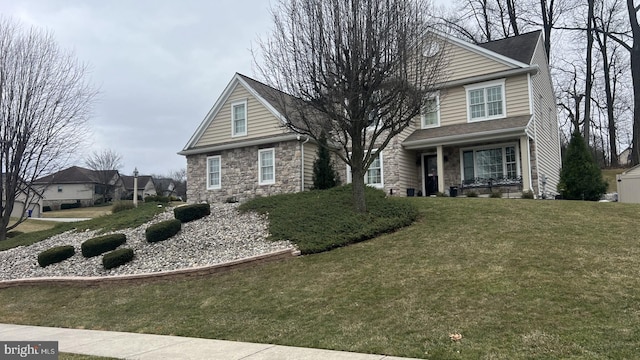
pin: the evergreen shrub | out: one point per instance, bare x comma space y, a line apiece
191, 212
162, 230
580, 177
157, 198
117, 258
324, 176
101, 244
55, 255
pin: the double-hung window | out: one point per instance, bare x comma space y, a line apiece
486, 101
239, 118
374, 175
430, 112
266, 167
490, 163
214, 180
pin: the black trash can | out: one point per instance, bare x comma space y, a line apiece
453, 191
411, 192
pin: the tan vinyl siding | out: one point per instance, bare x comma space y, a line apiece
545, 123
517, 94
260, 121
464, 63
310, 154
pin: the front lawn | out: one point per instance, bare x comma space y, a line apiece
518, 279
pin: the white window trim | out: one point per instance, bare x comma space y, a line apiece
436, 96
494, 146
246, 120
273, 155
484, 85
219, 186
377, 185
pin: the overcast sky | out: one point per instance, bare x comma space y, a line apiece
159, 65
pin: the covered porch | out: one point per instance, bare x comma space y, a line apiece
480, 157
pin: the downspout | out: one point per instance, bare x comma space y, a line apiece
302, 162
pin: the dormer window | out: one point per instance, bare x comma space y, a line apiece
239, 118
486, 101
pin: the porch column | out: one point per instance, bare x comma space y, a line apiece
440, 159
525, 163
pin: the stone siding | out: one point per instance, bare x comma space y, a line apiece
239, 173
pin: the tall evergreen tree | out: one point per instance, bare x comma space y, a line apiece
324, 176
580, 177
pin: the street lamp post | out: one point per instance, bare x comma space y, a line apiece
135, 187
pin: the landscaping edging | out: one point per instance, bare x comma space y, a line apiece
164, 275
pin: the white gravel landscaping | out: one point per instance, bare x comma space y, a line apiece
223, 236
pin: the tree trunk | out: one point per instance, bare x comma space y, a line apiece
357, 181
589, 75
635, 75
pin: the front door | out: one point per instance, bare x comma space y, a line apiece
430, 174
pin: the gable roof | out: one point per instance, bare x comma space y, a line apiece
73, 175
519, 48
128, 181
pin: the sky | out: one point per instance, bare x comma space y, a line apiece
159, 66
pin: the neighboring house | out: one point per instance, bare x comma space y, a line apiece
491, 126
624, 159
31, 197
165, 186
78, 185
146, 186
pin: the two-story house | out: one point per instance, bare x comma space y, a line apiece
491, 126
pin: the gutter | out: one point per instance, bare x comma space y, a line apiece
533, 70
235, 145
458, 139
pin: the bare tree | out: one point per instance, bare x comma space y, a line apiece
358, 70
105, 165
44, 105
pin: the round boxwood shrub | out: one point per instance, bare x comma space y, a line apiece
191, 212
55, 255
117, 258
157, 198
162, 230
101, 244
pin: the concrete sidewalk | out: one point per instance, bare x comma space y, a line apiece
153, 347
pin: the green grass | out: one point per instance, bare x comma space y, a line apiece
519, 279
322, 220
117, 221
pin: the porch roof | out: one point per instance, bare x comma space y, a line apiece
469, 132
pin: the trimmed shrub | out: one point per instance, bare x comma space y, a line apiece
117, 258
46, 208
471, 194
191, 212
122, 206
14, 233
162, 230
157, 198
69, 206
101, 244
495, 194
55, 255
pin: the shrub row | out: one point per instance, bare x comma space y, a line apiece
192, 212
157, 198
117, 258
55, 255
101, 244
69, 206
162, 230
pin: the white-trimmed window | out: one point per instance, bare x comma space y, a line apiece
486, 101
430, 112
266, 167
490, 163
374, 175
239, 118
214, 180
